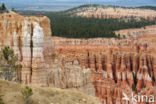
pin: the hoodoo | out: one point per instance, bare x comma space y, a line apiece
117, 66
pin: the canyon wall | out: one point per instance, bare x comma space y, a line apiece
27, 36
114, 12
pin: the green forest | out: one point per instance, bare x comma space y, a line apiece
78, 27
65, 25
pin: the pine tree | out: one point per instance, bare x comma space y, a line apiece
12, 9
3, 7
27, 93
9, 66
1, 101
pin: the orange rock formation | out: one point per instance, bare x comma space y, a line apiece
117, 66
27, 36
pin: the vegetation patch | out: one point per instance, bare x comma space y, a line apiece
27, 93
79, 27
11, 92
9, 66
3, 8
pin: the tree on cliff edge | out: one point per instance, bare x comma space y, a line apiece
3, 8
9, 66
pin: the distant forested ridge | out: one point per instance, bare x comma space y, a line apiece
79, 27
65, 25
147, 7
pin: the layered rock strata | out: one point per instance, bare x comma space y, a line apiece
113, 12
30, 38
26, 36
127, 33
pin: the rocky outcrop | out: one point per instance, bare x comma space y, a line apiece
126, 33
27, 36
117, 66
30, 38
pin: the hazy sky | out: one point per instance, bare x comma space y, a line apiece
22, 1
66, 4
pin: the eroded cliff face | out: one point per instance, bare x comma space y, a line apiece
27, 36
113, 12
117, 66
135, 32
30, 38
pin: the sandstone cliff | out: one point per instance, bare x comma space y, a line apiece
135, 32
30, 38
27, 36
113, 12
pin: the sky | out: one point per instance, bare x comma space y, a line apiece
58, 5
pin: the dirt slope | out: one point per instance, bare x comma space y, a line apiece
11, 94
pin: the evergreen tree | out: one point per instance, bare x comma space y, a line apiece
9, 66
27, 93
1, 101
3, 7
12, 9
